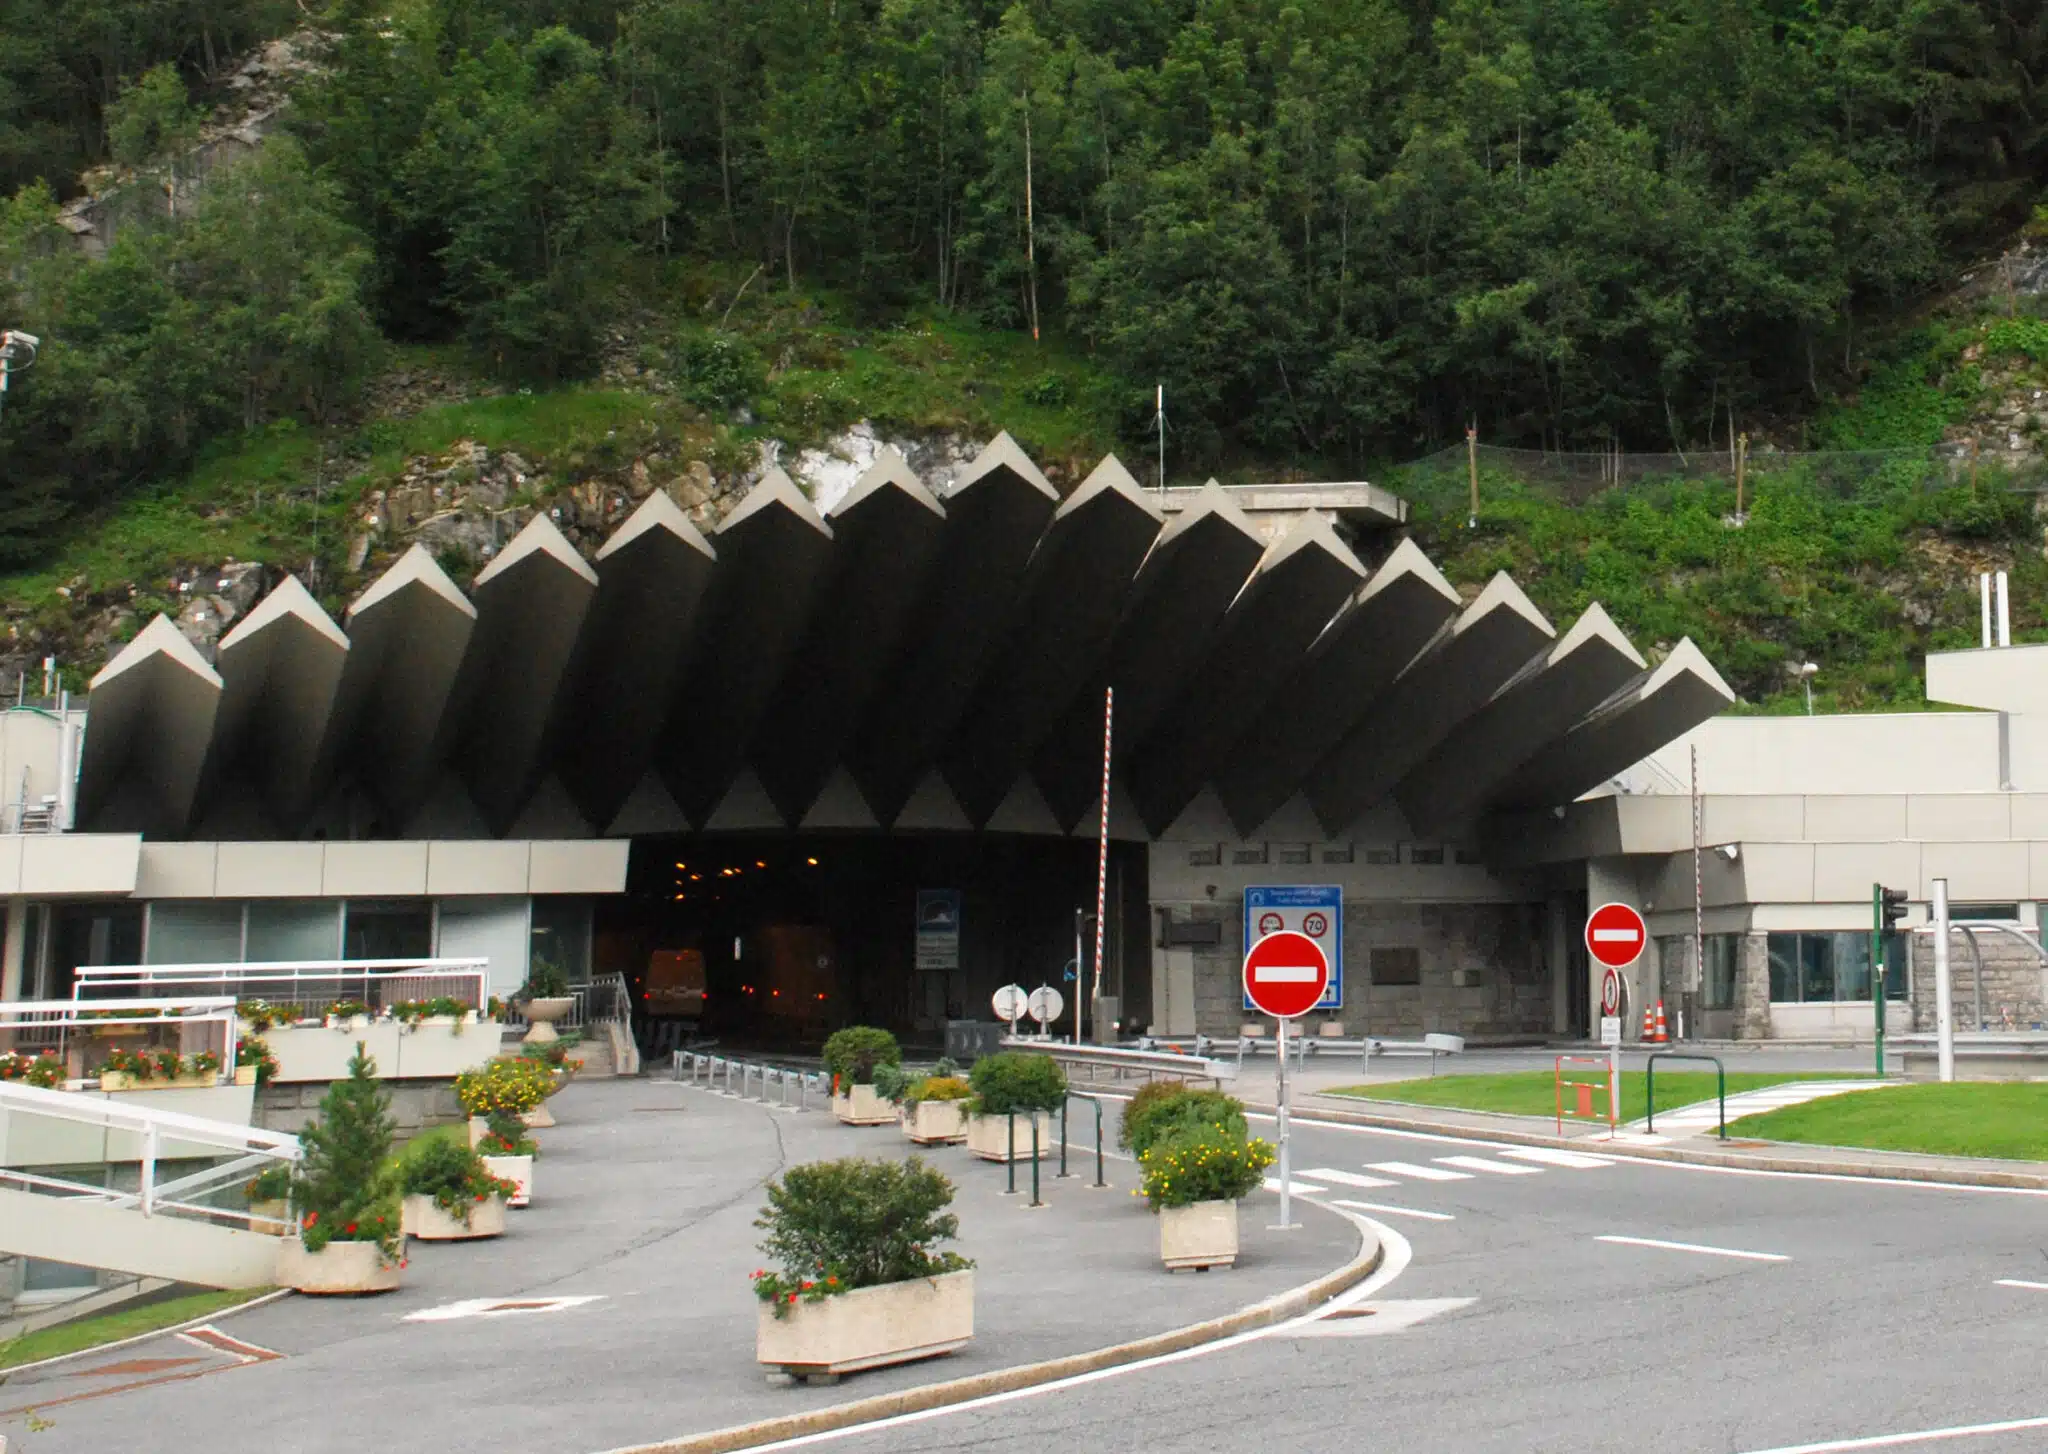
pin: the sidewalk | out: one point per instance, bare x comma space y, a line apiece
645, 1197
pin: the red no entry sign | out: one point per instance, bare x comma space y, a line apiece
1285, 974
1615, 935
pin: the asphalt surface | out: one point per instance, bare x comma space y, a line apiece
1884, 1317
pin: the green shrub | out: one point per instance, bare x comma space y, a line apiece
834, 1226
893, 1082
719, 370
852, 1054
454, 1176
937, 1088
507, 1137
545, 981
1017, 1080
272, 1184
1148, 1121
344, 1190
1203, 1163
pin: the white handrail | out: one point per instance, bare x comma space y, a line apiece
68, 1016
294, 973
117, 1115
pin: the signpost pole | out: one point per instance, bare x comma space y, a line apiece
1285, 975
1286, 1165
1101, 873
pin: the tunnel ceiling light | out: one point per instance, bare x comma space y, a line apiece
695, 876
812, 862
760, 863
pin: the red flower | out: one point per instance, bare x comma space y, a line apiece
831, 1282
809, 1285
311, 1218
350, 1227
792, 1297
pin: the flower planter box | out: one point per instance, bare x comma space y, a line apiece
272, 1217
435, 1051
935, 1123
869, 1327
863, 1105
1202, 1235
117, 1080
539, 1118
245, 1075
988, 1137
354, 1023
479, 1127
339, 1267
542, 1014
515, 1169
421, 1218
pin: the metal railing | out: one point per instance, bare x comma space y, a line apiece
1650, 1085
307, 986
718, 1073
1125, 1062
71, 1029
156, 1136
1304, 1047
599, 1001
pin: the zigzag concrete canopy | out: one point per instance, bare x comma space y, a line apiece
920, 662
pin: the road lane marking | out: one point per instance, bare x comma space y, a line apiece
1397, 1211
1420, 1173
1696, 1247
2015, 1282
1918, 1436
1480, 1163
1368, 1320
1346, 1178
1295, 1188
1575, 1160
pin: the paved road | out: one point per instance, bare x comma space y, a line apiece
1883, 1315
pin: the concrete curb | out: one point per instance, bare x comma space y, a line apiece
1276, 1309
1866, 1170
185, 1327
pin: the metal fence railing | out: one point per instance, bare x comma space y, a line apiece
308, 987
83, 1035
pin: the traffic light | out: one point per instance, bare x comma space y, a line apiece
1893, 907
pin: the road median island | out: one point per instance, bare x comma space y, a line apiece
1995, 1120
1534, 1092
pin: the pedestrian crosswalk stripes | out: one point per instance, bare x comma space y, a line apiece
1575, 1160
1420, 1173
1346, 1178
1498, 1168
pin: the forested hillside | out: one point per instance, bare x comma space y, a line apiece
1336, 231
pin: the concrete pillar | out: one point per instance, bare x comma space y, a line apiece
12, 956
1753, 989
1557, 954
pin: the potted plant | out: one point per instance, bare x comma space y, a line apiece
45, 1070
450, 1195
270, 1198
254, 1064
118, 1024
1193, 1178
260, 1015
1163, 1108
127, 1070
852, 1056
545, 999
444, 1010
513, 1087
1013, 1091
345, 1193
508, 1152
856, 1282
935, 1109
347, 1015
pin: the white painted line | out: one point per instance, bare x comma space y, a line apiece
1420, 1173
2015, 1282
1575, 1160
1346, 1178
1295, 1188
1696, 1247
498, 1307
1391, 1316
1919, 1436
1498, 1168
1286, 973
1397, 1211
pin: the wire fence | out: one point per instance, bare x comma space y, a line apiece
1442, 484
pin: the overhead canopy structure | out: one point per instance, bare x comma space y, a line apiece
915, 660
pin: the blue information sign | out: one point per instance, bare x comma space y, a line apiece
1316, 910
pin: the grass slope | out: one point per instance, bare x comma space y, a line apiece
1534, 1093
76, 1336
2008, 1121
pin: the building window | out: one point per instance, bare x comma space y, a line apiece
194, 931
1984, 913
389, 929
1382, 855
1419, 854
289, 929
1337, 853
1397, 966
1469, 856
1207, 856
1296, 853
561, 934
1717, 976
1252, 853
1819, 968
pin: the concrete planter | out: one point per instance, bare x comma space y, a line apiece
935, 1123
863, 1105
436, 1051
1203, 1235
245, 1075
869, 1327
421, 1218
353, 1024
517, 1169
539, 1118
479, 1127
339, 1267
988, 1137
116, 1080
542, 1014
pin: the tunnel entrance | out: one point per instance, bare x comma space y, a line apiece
790, 936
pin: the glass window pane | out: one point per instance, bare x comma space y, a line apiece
561, 934
495, 930
1717, 980
1895, 961
195, 931
283, 930
1784, 953
1852, 966
1816, 968
398, 929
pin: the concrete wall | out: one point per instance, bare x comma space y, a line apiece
2013, 993
416, 1105
377, 870
1935, 752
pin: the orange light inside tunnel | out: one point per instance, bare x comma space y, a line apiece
758, 863
812, 862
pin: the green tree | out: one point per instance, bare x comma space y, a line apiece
151, 119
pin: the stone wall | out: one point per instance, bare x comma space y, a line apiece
1753, 989
1500, 945
2012, 983
416, 1105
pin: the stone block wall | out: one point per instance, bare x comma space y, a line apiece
416, 1105
2012, 983
1503, 943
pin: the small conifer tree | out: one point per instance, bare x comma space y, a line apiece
345, 1190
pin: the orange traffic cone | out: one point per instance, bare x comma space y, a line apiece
1663, 1033
1649, 1024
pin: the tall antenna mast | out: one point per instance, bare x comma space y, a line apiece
1159, 418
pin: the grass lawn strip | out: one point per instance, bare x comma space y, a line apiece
2005, 1120
84, 1333
1534, 1092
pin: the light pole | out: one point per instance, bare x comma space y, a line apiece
1806, 674
17, 352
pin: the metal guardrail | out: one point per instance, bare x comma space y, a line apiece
1150, 1063
1650, 1085
602, 1000
717, 1072
1308, 1047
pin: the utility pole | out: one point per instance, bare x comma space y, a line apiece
1159, 418
1741, 470
1030, 227
1699, 896
1944, 1017
1472, 473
